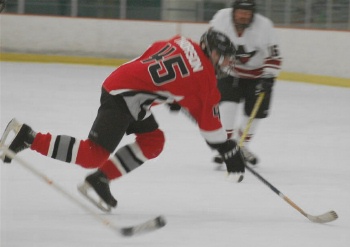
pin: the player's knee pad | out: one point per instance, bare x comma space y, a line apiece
151, 143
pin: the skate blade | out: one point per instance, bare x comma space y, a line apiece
13, 126
94, 199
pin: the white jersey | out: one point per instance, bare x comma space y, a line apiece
258, 51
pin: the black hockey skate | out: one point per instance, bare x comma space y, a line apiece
100, 184
24, 137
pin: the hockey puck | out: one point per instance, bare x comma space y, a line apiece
128, 231
160, 221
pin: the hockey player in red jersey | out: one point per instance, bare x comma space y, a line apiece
170, 71
258, 62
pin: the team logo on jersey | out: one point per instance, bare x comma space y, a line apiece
243, 56
216, 111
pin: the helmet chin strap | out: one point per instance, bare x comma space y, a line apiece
218, 69
221, 60
242, 26
223, 71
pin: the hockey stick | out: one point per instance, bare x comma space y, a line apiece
256, 107
323, 218
147, 226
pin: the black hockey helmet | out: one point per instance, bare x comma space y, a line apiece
215, 40
246, 5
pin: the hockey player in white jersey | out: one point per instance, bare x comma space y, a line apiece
2, 5
258, 62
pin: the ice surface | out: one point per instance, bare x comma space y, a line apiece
304, 148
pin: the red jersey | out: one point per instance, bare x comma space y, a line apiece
169, 71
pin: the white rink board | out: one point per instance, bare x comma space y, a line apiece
305, 51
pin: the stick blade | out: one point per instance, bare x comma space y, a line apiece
323, 218
148, 226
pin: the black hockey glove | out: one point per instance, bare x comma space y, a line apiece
174, 107
233, 159
264, 85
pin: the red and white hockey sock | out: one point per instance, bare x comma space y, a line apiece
251, 131
147, 146
71, 150
229, 133
123, 161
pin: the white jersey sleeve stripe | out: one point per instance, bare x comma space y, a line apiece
215, 136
